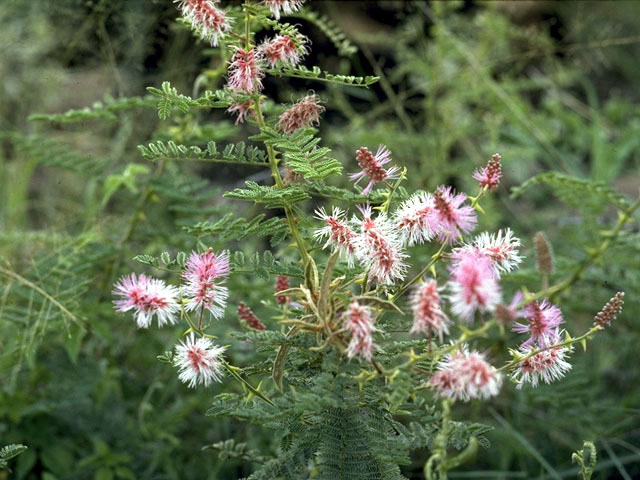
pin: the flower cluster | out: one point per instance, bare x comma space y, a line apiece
358, 319
211, 22
443, 215
198, 360
489, 176
464, 375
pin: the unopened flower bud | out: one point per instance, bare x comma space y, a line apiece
544, 254
609, 312
247, 316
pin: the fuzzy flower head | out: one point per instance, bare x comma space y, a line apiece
242, 109
451, 217
543, 323
147, 297
412, 218
358, 319
373, 167
204, 273
338, 232
465, 375
245, 74
548, 365
473, 286
208, 20
287, 6
428, 316
282, 50
501, 248
489, 176
304, 113
199, 361
378, 247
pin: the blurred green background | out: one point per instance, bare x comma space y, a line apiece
552, 86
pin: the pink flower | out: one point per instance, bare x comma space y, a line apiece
547, 365
203, 274
490, 175
372, 166
304, 113
428, 316
339, 235
544, 319
199, 361
465, 375
501, 248
451, 217
147, 297
473, 285
242, 109
378, 248
281, 49
287, 6
359, 321
210, 22
245, 74
413, 219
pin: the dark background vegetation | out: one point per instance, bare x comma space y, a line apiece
552, 86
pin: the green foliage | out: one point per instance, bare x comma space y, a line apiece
302, 153
233, 153
272, 197
8, 452
586, 459
319, 75
232, 227
576, 192
98, 111
339, 39
170, 99
53, 153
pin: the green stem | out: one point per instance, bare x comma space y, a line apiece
437, 256
595, 254
534, 352
256, 392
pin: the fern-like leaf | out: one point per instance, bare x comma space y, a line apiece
237, 153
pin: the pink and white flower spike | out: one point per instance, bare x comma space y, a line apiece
210, 21
204, 273
473, 285
358, 320
428, 317
373, 167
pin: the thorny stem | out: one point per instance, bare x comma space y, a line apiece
231, 369
273, 161
437, 256
566, 343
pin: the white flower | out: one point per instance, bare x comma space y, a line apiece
199, 361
